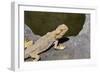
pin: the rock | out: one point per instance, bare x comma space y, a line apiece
81, 43
86, 27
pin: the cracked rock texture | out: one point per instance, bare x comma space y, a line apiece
77, 47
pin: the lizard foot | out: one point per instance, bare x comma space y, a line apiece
60, 47
35, 57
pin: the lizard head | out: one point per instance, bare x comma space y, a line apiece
60, 31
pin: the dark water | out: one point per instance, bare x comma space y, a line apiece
43, 22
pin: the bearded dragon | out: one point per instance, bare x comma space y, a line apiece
43, 43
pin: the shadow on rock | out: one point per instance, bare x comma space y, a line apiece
62, 40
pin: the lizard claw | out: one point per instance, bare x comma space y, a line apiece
60, 46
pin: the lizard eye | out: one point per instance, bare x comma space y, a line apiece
61, 30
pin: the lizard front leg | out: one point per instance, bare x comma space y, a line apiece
58, 46
35, 56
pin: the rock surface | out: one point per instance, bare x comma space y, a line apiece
81, 43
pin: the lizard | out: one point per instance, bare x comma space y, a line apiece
43, 43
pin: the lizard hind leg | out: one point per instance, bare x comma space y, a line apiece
35, 57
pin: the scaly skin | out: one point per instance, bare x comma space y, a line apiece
44, 42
